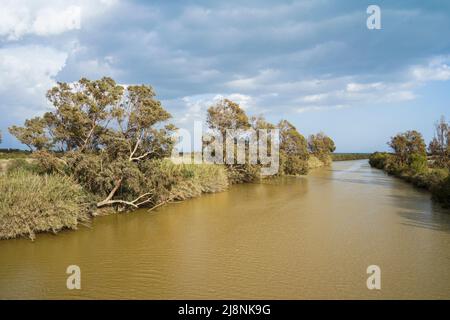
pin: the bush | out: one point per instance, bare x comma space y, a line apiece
441, 192
171, 181
293, 165
314, 162
242, 173
31, 203
211, 178
378, 160
418, 163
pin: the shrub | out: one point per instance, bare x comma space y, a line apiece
378, 160
441, 192
293, 165
169, 181
418, 163
242, 173
212, 178
31, 203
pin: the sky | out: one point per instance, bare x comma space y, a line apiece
312, 62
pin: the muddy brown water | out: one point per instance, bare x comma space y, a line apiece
293, 238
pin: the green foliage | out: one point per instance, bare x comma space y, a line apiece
410, 163
31, 203
183, 181
321, 146
293, 150
228, 115
378, 160
407, 144
242, 173
293, 164
441, 192
418, 163
98, 133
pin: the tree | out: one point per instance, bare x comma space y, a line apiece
293, 149
321, 146
102, 134
407, 144
225, 117
33, 134
439, 147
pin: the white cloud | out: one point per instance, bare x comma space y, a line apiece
437, 69
50, 21
304, 109
315, 97
27, 72
357, 87
44, 18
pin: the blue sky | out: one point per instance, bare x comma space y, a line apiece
314, 63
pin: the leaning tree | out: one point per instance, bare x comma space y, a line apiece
104, 135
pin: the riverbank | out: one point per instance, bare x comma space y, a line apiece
32, 202
435, 180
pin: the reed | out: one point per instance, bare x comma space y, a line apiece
31, 203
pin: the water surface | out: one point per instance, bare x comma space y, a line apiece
290, 238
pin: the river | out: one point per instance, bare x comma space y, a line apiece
288, 238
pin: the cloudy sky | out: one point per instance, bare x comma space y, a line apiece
313, 62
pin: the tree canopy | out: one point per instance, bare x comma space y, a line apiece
101, 133
407, 144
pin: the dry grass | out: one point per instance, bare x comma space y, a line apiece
31, 203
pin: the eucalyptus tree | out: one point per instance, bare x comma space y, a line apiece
407, 146
293, 149
321, 146
226, 118
103, 135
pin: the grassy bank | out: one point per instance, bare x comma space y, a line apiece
31, 202
436, 180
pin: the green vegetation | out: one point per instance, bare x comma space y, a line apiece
321, 146
14, 154
33, 203
293, 150
349, 156
22, 164
409, 161
104, 148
